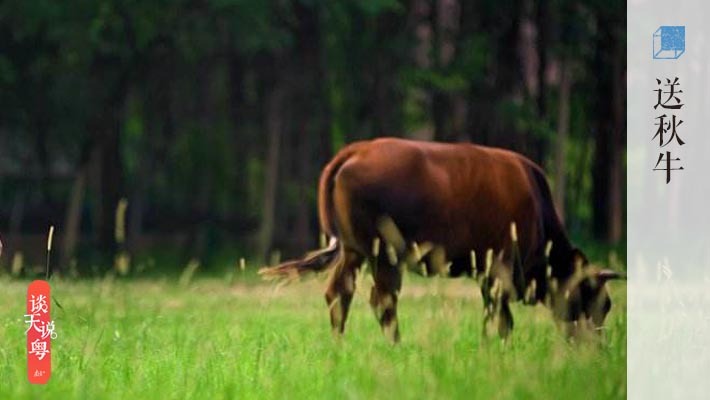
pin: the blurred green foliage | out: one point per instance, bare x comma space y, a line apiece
169, 103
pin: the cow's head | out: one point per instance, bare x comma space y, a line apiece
584, 297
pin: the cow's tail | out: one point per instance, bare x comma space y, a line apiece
314, 261
326, 214
325, 258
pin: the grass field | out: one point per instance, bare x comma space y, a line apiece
159, 339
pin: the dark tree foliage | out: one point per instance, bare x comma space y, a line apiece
214, 117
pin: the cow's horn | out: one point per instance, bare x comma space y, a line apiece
608, 274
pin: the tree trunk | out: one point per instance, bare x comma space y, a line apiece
444, 22
17, 213
305, 209
206, 103
111, 183
109, 90
616, 192
562, 133
542, 22
72, 218
274, 127
607, 193
422, 32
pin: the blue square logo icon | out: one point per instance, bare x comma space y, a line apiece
669, 42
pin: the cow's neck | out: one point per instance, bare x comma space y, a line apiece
561, 257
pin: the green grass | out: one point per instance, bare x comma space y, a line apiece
153, 339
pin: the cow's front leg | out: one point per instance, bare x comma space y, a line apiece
341, 288
384, 304
497, 316
489, 311
505, 320
383, 298
496, 309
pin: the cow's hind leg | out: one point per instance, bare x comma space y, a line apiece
341, 288
383, 297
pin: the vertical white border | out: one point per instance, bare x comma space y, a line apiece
668, 225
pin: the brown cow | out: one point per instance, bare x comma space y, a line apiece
487, 211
